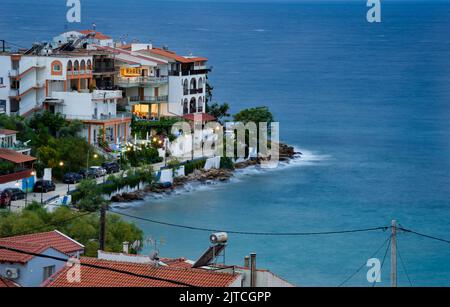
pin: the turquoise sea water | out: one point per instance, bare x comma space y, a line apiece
368, 104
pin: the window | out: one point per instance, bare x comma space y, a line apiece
1, 81
2, 106
48, 271
56, 68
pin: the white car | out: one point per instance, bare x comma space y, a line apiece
96, 171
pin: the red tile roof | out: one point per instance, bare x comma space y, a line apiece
8, 131
177, 262
6, 283
172, 55
55, 239
15, 257
95, 277
15, 157
98, 35
203, 117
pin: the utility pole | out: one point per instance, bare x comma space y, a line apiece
394, 253
102, 227
3, 45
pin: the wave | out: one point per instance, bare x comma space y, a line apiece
304, 158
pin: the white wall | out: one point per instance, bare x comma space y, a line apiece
5, 67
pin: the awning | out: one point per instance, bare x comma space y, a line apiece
203, 117
15, 157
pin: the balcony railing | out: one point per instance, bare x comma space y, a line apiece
79, 72
196, 91
149, 99
118, 115
141, 81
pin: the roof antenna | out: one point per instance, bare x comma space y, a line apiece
94, 26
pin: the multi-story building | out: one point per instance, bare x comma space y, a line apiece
64, 83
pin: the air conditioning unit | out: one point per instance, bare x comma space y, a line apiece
12, 273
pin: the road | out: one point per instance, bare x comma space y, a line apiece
61, 190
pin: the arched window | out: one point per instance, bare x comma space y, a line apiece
185, 107
200, 83
69, 66
83, 65
185, 87
200, 105
193, 84
89, 65
192, 105
57, 68
76, 66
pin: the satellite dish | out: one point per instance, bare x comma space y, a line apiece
154, 255
136, 245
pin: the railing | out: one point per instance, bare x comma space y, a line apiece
194, 72
136, 81
149, 99
79, 72
118, 115
196, 91
13, 73
14, 93
99, 94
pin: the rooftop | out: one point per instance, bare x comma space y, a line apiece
98, 35
55, 239
15, 157
7, 132
97, 277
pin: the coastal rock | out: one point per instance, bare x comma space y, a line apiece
128, 197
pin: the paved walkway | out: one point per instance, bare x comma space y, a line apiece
61, 190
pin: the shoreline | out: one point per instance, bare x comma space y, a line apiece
287, 153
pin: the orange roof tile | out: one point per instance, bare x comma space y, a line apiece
13, 156
8, 131
172, 55
95, 277
98, 35
6, 283
15, 257
54, 239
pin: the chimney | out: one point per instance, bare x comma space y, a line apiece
247, 262
253, 270
126, 247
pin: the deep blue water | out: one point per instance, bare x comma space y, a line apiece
369, 103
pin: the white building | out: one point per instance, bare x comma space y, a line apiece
61, 83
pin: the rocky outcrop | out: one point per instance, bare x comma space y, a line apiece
210, 175
128, 197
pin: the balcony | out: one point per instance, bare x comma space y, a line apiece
141, 81
99, 117
79, 72
13, 73
196, 91
14, 93
149, 99
103, 95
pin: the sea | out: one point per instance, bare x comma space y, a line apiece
368, 105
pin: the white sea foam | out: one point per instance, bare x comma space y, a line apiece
304, 158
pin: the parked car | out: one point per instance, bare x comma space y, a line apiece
96, 171
5, 199
72, 178
84, 173
44, 186
111, 167
16, 193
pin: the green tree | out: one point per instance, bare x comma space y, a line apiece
80, 227
219, 111
256, 115
90, 196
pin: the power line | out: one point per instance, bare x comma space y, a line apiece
32, 230
252, 233
404, 266
97, 266
384, 258
424, 235
364, 264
